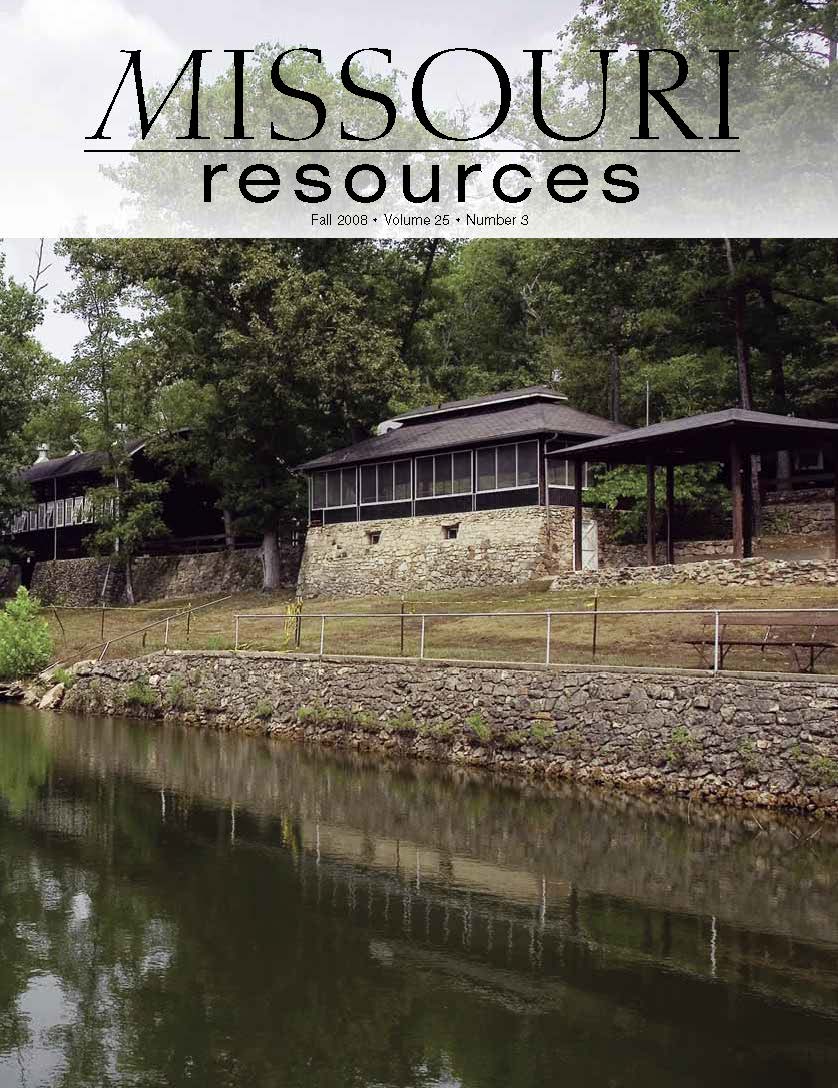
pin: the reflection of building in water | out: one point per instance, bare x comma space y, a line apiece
559, 870
519, 936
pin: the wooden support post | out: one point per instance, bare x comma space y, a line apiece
577, 516
747, 508
651, 516
670, 507
835, 507
737, 501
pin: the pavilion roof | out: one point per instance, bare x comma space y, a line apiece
706, 437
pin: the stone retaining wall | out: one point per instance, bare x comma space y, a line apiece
799, 518
734, 738
9, 578
719, 572
492, 547
78, 582
612, 555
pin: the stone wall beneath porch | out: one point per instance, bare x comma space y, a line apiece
9, 578
766, 740
79, 582
492, 548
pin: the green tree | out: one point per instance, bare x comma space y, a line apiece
23, 363
110, 375
284, 359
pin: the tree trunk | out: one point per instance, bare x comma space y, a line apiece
270, 561
739, 292
129, 580
614, 387
229, 534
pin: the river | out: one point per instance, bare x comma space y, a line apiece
185, 908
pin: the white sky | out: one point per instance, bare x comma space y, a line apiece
61, 57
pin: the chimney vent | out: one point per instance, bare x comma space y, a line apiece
43, 453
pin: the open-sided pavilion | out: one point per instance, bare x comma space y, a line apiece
731, 436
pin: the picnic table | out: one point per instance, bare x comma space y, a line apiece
808, 635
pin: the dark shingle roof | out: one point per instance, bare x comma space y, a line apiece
74, 464
531, 417
707, 437
531, 392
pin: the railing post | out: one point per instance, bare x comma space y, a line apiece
166, 635
549, 632
422, 637
237, 632
716, 647
322, 632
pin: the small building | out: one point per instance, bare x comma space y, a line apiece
61, 517
451, 495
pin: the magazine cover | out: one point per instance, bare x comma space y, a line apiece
418, 544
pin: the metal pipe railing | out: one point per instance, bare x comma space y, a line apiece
547, 614
157, 623
105, 646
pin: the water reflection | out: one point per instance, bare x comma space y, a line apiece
181, 908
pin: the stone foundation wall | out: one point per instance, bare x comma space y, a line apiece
497, 547
719, 572
802, 517
9, 579
612, 555
78, 582
739, 739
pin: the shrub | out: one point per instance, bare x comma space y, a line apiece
25, 642
63, 676
263, 710
682, 747
824, 770
139, 694
542, 732
479, 727
816, 770
515, 738
442, 731
403, 722
177, 694
750, 756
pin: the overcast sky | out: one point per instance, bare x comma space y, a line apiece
80, 40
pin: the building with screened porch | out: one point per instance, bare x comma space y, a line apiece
450, 495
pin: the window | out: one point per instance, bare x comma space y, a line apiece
561, 472
444, 474
59, 513
334, 489
808, 460
373, 536
450, 532
78, 510
387, 482
424, 477
501, 468
42, 515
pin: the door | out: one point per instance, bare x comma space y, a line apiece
590, 545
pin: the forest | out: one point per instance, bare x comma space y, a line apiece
264, 353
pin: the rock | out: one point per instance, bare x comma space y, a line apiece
11, 692
53, 698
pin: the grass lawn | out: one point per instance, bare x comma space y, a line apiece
629, 640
